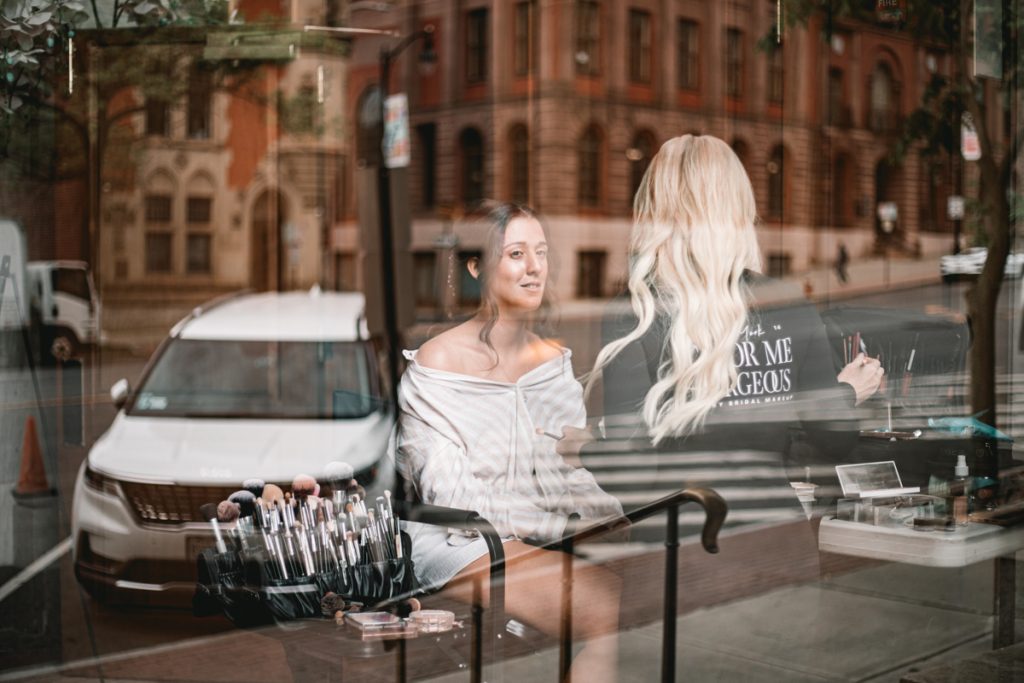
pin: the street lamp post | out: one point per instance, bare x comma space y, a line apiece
387, 56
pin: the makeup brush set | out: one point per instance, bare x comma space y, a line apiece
282, 556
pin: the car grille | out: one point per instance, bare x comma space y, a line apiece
174, 504
171, 504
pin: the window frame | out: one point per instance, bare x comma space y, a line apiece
587, 37
687, 54
734, 63
640, 32
477, 35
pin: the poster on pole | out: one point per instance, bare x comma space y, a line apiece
970, 145
396, 131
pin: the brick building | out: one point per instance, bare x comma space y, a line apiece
561, 104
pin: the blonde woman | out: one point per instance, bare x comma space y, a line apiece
475, 401
703, 363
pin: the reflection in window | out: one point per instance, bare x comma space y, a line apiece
589, 161
590, 274
469, 286
424, 275
370, 131
838, 113
687, 55
158, 117
158, 208
519, 143
588, 37
427, 134
775, 75
200, 95
198, 253
776, 182
639, 46
884, 98
640, 153
471, 154
525, 38
158, 252
733, 62
198, 209
476, 46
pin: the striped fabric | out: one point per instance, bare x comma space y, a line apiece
471, 443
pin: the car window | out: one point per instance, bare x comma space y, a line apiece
258, 379
71, 281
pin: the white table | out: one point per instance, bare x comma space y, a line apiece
973, 543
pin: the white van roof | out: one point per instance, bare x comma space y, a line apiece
280, 316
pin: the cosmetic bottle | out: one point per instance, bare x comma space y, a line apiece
958, 490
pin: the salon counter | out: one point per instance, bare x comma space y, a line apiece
965, 545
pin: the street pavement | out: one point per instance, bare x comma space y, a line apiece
761, 610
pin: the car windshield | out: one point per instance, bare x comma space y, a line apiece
259, 379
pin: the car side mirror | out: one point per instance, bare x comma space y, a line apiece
119, 391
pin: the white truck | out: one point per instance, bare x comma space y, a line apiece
64, 307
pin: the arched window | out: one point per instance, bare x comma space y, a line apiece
640, 153
777, 184
519, 167
884, 100
370, 130
471, 162
589, 152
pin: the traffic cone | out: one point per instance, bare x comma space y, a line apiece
32, 480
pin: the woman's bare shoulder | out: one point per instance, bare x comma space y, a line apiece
545, 349
447, 351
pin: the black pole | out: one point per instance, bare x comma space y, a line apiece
387, 247
668, 632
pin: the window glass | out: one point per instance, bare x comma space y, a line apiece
587, 37
688, 55
640, 46
476, 45
71, 281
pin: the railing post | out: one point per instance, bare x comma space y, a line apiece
565, 646
668, 635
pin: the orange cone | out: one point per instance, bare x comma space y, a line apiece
32, 480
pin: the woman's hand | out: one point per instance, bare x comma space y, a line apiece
569, 444
864, 374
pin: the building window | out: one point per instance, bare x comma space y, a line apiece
525, 38
469, 286
884, 99
590, 274
424, 268
780, 264
775, 75
345, 273
371, 130
340, 198
427, 134
158, 117
776, 184
198, 253
590, 162
471, 154
588, 37
519, 144
476, 46
688, 55
733, 62
639, 154
158, 252
158, 208
838, 114
200, 97
640, 46
198, 209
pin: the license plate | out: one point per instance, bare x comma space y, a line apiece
196, 544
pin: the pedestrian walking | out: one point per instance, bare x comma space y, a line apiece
842, 262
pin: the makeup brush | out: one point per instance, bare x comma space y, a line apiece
338, 475
209, 513
254, 486
272, 493
303, 486
227, 511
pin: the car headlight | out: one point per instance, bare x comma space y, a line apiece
100, 482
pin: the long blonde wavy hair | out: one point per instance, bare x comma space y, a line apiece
693, 238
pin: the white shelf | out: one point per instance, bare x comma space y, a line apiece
973, 543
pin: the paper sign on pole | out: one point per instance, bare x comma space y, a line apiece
955, 207
396, 131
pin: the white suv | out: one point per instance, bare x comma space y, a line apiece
254, 386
